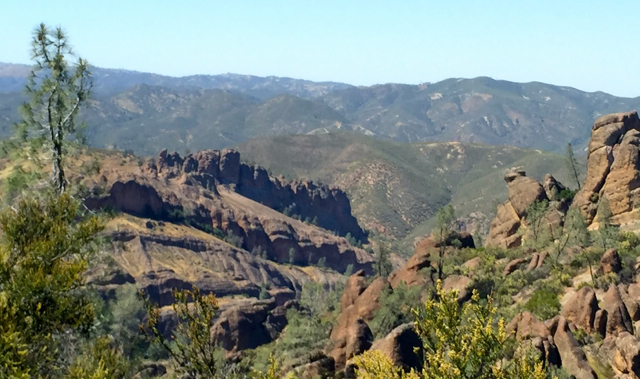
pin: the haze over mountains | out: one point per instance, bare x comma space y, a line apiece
147, 112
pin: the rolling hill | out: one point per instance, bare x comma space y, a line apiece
396, 188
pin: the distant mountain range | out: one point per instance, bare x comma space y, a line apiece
147, 112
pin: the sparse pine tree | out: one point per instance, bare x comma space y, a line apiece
607, 234
572, 165
381, 263
57, 91
445, 224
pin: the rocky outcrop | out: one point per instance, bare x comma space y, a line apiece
623, 353
552, 187
526, 326
184, 191
459, 283
581, 309
523, 191
574, 360
243, 326
356, 311
618, 318
329, 207
403, 346
612, 168
610, 263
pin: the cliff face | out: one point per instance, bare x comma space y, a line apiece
207, 191
613, 169
328, 207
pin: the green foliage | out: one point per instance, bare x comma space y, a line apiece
192, 350
544, 303
538, 235
606, 235
460, 342
567, 195
43, 255
395, 309
233, 239
99, 361
445, 223
18, 181
57, 92
572, 165
381, 263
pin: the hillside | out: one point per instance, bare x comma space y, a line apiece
396, 188
110, 81
147, 112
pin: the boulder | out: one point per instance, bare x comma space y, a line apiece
242, 326
351, 320
472, 264
574, 360
523, 191
526, 326
403, 346
552, 187
610, 262
320, 367
618, 318
626, 356
504, 228
600, 322
359, 339
581, 309
513, 265
459, 283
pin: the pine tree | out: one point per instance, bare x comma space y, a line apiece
57, 91
445, 222
572, 165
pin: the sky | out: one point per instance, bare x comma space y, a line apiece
589, 45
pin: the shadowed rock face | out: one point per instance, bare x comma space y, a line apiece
328, 207
612, 168
187, 191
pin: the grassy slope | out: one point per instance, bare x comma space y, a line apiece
398, 187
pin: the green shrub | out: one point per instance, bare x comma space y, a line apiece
544, 303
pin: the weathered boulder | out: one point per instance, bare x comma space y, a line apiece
526, 326
627, 355
504, 228
417, 271
321, 366
513, 265
352, 317
618, 318
574, 360
581, 309
242, 326
610, 262
612, 168
459, 283
403, 346
552, 187
523, 191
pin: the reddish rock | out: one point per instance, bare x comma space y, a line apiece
618, 319
362, 308
581, 309
610, 262
459, 283
612, 172
574, 360
513, 265
403, 346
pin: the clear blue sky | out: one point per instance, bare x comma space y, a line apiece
590, 45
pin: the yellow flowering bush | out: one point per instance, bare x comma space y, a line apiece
459, 342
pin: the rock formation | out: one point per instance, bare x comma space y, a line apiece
522, 192
612, 169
